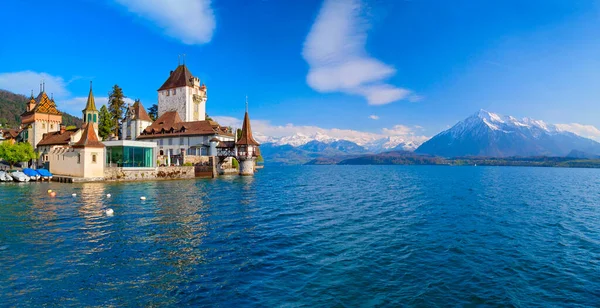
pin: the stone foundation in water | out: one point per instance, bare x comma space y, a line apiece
141, 174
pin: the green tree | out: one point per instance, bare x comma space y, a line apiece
260, 159
116, 106
234, 163
105, 125
239, 133
70, 127
153, 112
208, 118
17, 152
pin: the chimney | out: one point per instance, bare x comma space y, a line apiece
62, 129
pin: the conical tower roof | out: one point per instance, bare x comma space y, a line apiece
91, 104
247, 138
89, 139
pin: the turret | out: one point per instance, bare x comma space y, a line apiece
247, 147
90, 113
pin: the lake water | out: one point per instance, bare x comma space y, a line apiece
309, 236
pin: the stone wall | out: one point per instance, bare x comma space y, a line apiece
140, 174
196, 159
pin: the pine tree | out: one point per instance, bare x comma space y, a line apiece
153, 112
105, 125
116, 106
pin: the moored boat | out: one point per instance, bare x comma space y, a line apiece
45, 174
32, 174
19, 176
4, 177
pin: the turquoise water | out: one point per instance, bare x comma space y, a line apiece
309, 236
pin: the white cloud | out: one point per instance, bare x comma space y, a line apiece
265, 131
191, 21
588, 131
374, 117
25, 81
335, 51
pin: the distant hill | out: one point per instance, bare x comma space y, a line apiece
313, 150
492, 135
395, 158
581, 154
13, 105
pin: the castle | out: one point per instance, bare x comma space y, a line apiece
181, 134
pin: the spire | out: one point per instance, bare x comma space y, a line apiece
91, 104
246, 138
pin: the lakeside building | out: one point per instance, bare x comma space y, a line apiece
135, 121
40, 117
181, 130
181, 134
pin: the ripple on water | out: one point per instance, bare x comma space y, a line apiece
308, 236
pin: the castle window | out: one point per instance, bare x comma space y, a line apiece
93, 158
51, 126
168, 92
170, 141
181, 140
79, 158
43, 125
95, 119
89, 118
160, 142
174, 91
162, 152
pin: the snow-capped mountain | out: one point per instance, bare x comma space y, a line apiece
488, 134
375, 143
391, 143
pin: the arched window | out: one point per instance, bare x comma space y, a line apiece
161, 152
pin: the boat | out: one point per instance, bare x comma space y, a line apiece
45, 174
32, 174
19, 176
4, 177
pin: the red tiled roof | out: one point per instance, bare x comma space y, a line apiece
138, 111
9, 133
89, 138
181, 77
170, 124
247, 138
56, 138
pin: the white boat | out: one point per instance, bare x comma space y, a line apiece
4, 177
19, 176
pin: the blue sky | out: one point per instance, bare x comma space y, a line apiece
362, 68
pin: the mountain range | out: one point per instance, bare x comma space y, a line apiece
483, 134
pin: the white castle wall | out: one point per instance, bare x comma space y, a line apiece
181, 100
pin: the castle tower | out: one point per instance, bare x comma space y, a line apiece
247, 148
182, 92
90, 113
41, 117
